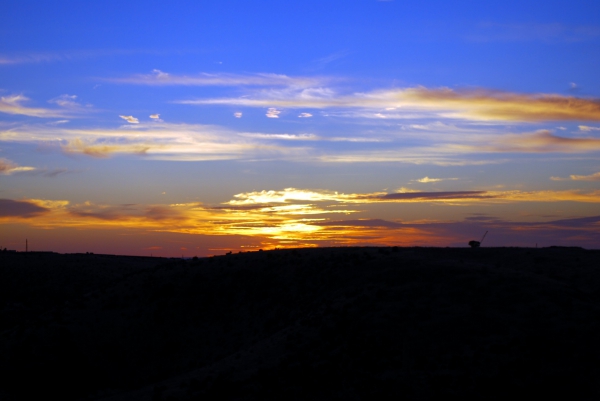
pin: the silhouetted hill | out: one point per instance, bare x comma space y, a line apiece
327, 323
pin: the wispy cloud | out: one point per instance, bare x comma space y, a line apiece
160, 78
14, 104
237, 114
29, 58
574, 177
426, 180
542, 141
587, 128
67, 101
155, 140
470, 104
323, 62
305, 115
285, 137
48, 57
7, 167
294, 195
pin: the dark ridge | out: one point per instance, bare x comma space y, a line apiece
327, 323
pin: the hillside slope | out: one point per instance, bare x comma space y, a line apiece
328, 323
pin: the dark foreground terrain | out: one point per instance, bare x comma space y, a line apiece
341, 323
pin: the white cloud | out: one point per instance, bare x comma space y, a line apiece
273, 113
13, 104
155, 116
305, 115
159, 74
428, 180
237, 114
160, 78
156, 140
130, 119
287, 137
67, 101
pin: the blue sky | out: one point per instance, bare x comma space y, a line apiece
169, 119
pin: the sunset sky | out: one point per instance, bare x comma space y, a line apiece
198, 128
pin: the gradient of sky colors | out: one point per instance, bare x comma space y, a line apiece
197, 128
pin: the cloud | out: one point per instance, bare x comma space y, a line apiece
588, 129
155, 116
303, 217
303, 195
372, 223
273, 113
124, 212
285, 137
56, 172
103, 150
156, 140
325, 61
20, 209
427, 180
305, 115
542, 141
130, 119
237, 114
30, 58
160, 78
471, 104
424, 196
13, 104
7, 167
590, 177
66, 101
293, 194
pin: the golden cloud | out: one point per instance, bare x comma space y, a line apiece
542, 141
7, 167
291, 216
131, 119
472, 104
78, 146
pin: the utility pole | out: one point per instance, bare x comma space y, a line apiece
26, 246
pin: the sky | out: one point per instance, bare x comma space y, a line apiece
199, 128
